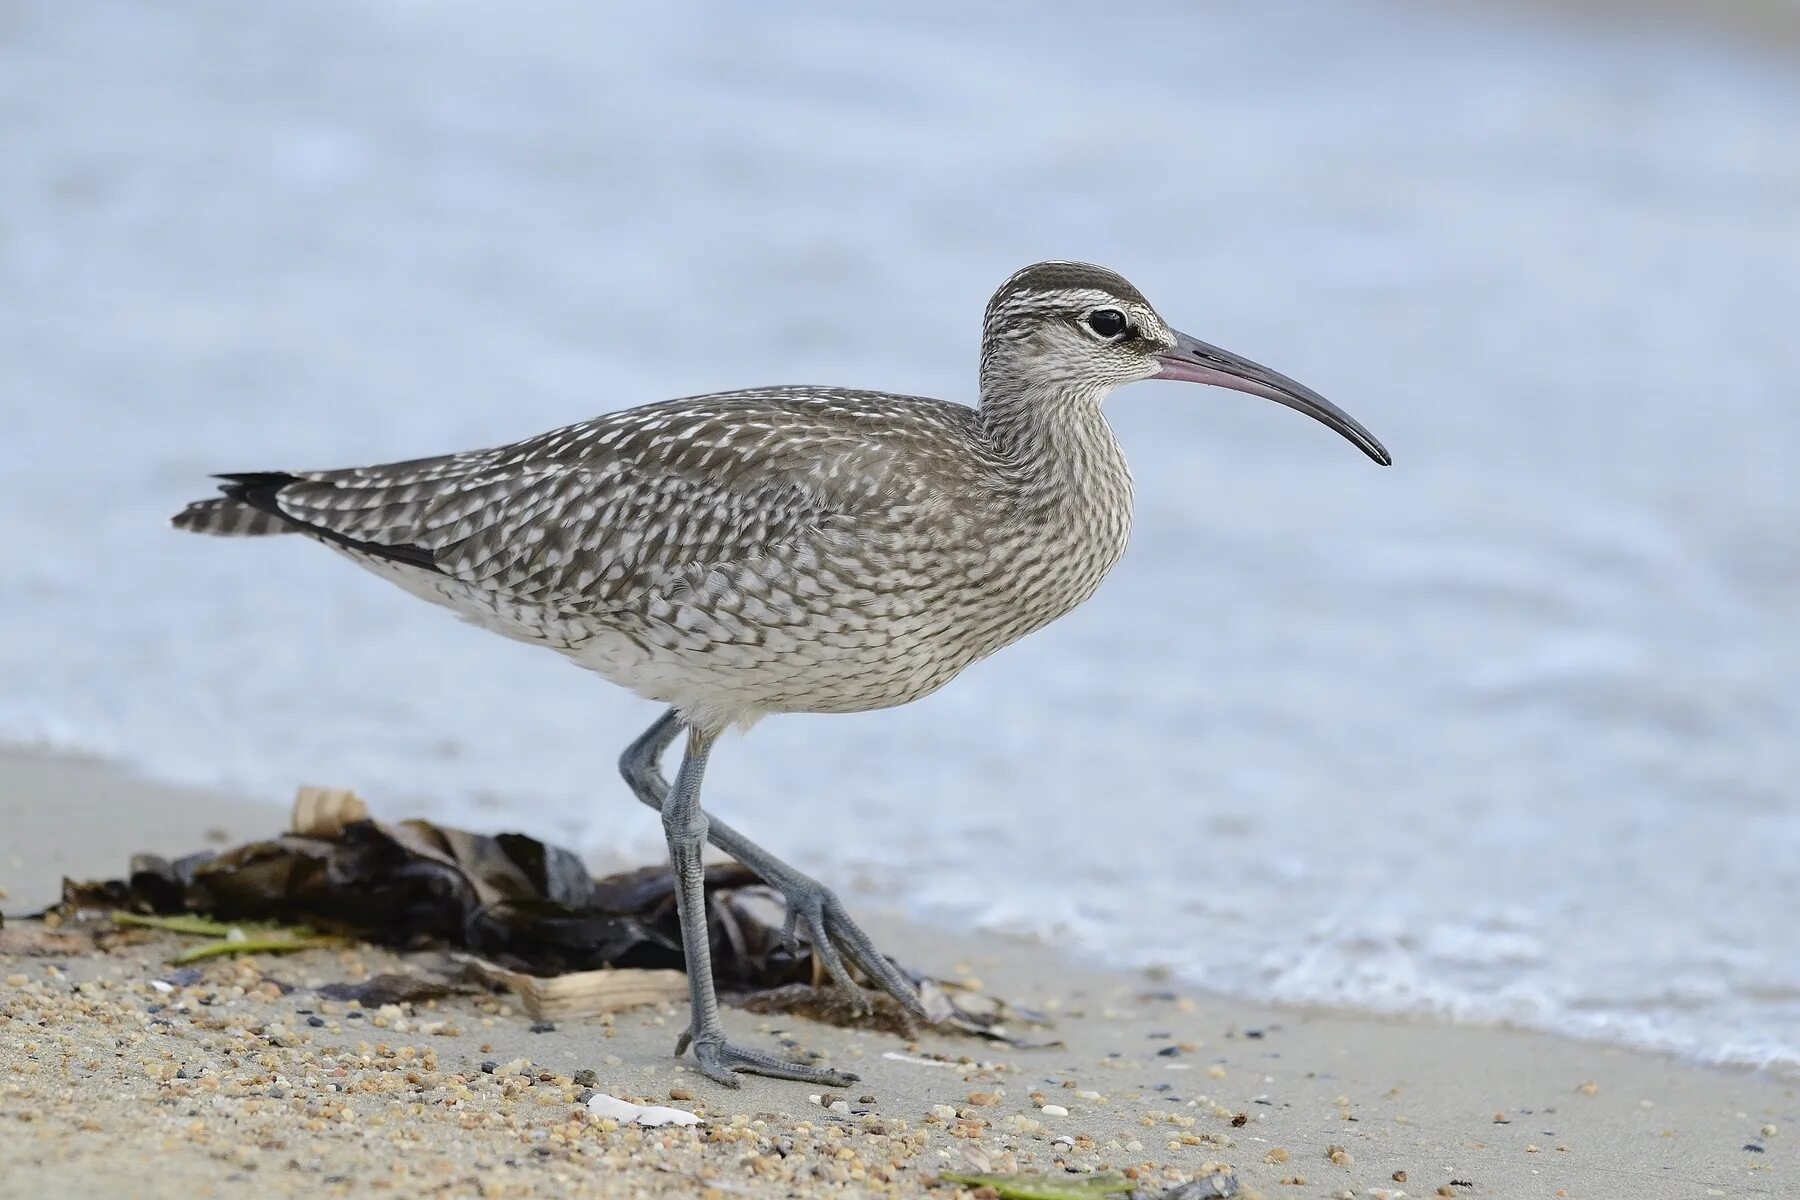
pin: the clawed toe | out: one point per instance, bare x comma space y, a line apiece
834, 937
722, 1062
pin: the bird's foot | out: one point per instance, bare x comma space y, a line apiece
721, 1062
833, 935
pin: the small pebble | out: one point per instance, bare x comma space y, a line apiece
1054, 1110
543, 1027
316, 1022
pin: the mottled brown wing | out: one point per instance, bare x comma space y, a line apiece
589, 517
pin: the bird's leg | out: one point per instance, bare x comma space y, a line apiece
685, 827
828, 925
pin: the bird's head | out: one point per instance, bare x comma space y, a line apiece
1072, 329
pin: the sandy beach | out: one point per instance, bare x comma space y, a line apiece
120, 1077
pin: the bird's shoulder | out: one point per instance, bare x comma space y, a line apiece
765, 431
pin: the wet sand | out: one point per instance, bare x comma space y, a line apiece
119, 1077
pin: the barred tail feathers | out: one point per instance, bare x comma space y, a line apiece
251, 507
225, 517
237, 513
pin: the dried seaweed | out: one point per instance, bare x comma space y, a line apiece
966, 1012
195, 926
511, 898
274, 943
230, 939
393, 989
519, 903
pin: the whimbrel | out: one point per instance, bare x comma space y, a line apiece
784, 549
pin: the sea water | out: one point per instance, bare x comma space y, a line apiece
1504, 732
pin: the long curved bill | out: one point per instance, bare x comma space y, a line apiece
1193, 361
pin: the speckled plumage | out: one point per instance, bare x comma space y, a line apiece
790, 549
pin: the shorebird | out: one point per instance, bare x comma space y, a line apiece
782, 550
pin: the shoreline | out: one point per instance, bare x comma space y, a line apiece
1153, 1078
213, 818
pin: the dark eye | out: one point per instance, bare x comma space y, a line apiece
1107, 322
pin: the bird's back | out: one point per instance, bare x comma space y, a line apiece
768, 550
590, 515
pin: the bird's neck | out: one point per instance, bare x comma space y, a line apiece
1059, 445
1061, 504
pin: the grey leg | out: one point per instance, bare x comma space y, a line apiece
685, 827
828, 926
